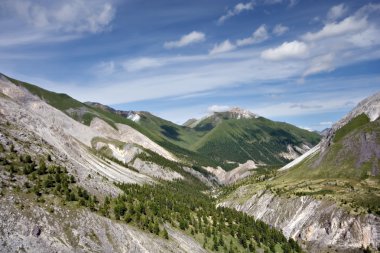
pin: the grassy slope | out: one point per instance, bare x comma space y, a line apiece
179, 135
337, 176
258, 139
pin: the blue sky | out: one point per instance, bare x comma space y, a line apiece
300, 61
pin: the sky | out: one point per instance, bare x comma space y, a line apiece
300, 61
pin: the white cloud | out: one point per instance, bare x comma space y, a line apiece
240, 7
367, 38
105, 68
316, 106
72, 16
198, 74
43, 21
280, 29
21, 38
324, 63
185, 40
142, 63
326, 123
348, 25
223, 47
218, 108
288, 50
258, 36
336, 12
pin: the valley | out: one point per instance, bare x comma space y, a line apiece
219, 184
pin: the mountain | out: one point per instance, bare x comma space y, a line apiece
331, 194
211, 142
77, 178
239, 136
228, 138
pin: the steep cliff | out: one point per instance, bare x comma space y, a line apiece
319, 225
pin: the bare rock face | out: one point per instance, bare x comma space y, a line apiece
154, 170
318, 225
242, 171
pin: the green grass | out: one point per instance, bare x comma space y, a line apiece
355, 123
252, 139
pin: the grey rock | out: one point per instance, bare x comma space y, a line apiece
36, 231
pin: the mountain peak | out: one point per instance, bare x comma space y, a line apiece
239, 113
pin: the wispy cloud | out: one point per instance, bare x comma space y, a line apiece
54, 21
323, 105
280, 29
351, 38
223, 47
105, 68
293, 3
142, 63
196, 74
260, 35
349, 25
239, 8
185, 40
324, 63
337, 12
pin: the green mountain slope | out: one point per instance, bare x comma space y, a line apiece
345, 170
257, 139
228, 138
222, 139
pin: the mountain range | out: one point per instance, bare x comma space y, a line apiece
75, 177
221, 139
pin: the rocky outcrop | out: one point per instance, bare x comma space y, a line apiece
154, 170
294, 152
229, 177
319, 225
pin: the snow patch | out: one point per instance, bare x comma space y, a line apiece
301, 158
134, 117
